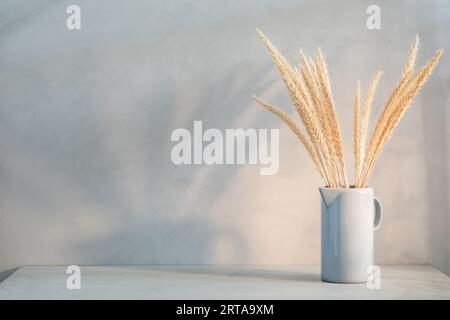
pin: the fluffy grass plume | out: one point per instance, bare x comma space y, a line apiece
365, 121
401, 105
309, 87
357, 131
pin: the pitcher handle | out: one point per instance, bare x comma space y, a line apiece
378, 211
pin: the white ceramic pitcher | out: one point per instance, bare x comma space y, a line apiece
349, 219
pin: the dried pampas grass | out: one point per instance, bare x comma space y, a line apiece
310, 92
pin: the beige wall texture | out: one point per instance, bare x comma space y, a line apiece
86, 118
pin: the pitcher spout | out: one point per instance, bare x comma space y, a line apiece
322, 196
328, 195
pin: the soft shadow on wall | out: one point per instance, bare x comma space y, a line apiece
86, 121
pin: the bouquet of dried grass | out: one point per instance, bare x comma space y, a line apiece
309, 88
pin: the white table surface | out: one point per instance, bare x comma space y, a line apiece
220, 282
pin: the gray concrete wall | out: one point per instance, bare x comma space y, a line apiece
86, 118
